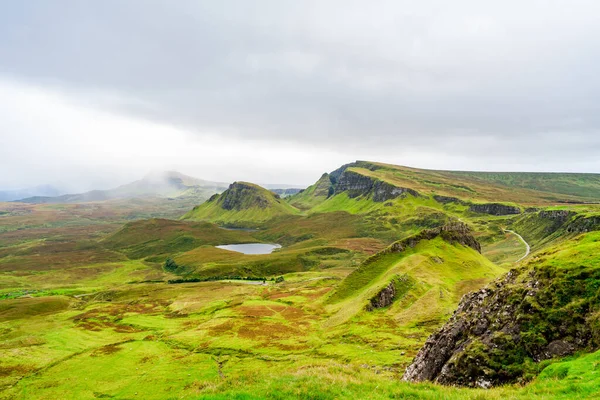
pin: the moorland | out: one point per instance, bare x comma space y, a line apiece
391, 282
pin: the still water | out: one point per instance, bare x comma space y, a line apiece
251, 248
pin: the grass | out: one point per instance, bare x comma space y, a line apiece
134, 336
520, 188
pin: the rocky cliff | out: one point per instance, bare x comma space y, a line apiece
499, 334
582, 224
454, 232
356, 184
394, 290
494, 209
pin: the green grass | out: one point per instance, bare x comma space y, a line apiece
310, 336
512, 187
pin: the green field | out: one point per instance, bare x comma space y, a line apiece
87, 310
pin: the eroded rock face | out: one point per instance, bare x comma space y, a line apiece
583, 224
448, 199
495, 209
527, 314
355, 184
384, 298
454, 232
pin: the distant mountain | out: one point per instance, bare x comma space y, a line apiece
161, 184
42, 190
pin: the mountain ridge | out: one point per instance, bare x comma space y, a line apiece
160, 184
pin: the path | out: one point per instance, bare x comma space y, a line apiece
527, 251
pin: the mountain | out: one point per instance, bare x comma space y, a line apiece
242, 203
42, 190
162, 184
380, 182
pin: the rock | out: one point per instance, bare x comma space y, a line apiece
583, 224
384, 298
453, 232
495, 209
559, 348
448, 200
495, 330
356, 184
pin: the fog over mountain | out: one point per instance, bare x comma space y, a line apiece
96, 94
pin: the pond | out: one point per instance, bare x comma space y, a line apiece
251, 248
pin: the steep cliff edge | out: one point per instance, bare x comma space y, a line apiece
356, 184
501, 333
495, 209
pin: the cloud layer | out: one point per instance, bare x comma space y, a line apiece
468, 84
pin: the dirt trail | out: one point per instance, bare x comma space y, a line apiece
528, 248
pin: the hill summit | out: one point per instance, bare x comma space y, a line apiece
243, 203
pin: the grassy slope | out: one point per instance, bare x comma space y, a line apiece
163, 237
219, 340
521, 188
440, 274
312, 195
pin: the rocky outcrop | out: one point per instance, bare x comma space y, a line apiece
583, 224
394, 290
384, 298
495, 209
532, 314
448, 200
454, 232
356, 184
559, 216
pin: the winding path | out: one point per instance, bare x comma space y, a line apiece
528, 248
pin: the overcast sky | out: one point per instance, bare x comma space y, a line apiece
98, 93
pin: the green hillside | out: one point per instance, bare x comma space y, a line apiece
374, 260
242, 204
526, 189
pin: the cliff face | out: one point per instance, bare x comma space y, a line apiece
583, 224
384, 298
355, 184
455, 232
530, 314
495, 209
448, 200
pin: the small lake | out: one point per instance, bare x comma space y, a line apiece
251, 248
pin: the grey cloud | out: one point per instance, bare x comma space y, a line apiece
511, 78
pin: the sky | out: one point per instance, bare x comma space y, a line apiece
98, 93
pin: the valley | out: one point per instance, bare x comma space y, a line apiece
380, 268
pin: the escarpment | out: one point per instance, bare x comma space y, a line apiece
495, 334
356, 184
454, 232
494, 209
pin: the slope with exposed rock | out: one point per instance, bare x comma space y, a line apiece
502, 333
